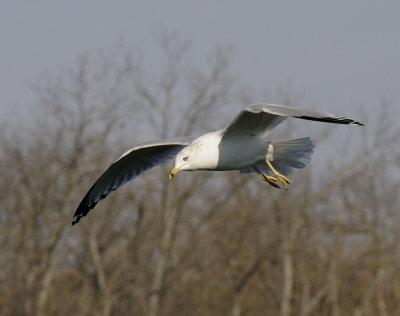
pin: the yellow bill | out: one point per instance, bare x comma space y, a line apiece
173, 172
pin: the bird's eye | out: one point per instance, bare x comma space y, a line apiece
185, 158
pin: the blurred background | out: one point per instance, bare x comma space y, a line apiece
81, 82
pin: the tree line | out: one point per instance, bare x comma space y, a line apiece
205, 243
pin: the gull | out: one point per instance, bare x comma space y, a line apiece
243, 145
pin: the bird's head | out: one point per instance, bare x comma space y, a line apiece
184, 160
201, 154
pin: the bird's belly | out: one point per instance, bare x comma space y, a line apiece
241, 152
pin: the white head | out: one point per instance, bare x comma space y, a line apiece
202, 153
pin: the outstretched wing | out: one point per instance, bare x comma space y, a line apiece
127, 167
259, 119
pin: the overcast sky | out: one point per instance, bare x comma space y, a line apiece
339, 53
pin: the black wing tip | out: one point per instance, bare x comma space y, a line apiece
76, 219
82, 211
336, 120
79, 214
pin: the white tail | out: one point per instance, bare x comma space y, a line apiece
285, 155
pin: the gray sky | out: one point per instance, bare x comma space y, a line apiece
341, 54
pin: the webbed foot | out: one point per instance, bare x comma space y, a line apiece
282, 179
271, 180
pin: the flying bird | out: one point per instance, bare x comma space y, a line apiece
243, 145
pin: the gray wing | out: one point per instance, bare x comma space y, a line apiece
259, 119
126, 168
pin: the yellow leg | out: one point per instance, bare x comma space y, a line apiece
282, 179
270, 180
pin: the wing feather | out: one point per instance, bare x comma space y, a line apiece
259, 119
126, 168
